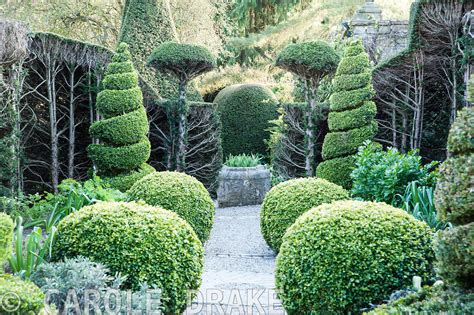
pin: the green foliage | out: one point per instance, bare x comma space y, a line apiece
22, 296
454, 255
453, 195
340, 257
382, 175
30, 250
184, 61
351, 120
431, 300
243, 160
179, 193
246, 111
338, 170
419, 202
288, 200
124, 181
6, 232
470, 89
144, 243
308, 60
125, 146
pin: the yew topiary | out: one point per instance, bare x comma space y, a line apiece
147, 244
180, 193
339, 258
285, 202
351, 119
124, 149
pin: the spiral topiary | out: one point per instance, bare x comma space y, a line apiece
339, 258
147, 244
124, 149
351, 118
245, 112
180, 193
285, 202
6, 235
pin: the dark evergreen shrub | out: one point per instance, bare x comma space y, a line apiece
121, 157
246, 111
351, 118
339, 258
147, 244
181, 194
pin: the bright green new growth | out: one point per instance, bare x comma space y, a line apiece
124, 149
15, 291
351, 120
147, 244
340, 257
6, 235
246, 111
288, 200
179, 193
243, 160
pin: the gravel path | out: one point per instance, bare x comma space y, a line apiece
238, 273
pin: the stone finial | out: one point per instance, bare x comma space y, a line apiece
369, 12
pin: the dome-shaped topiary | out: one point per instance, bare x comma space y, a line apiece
453, 196
245, 112
147, 244
123, 132
351, 119
285, 202
20, 296
340, 257
180, 193
6, 235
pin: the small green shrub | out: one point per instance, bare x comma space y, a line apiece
382, 175
340, 257
181, 194
337, 169
23, 297
454, 252
6, 234
285, 202
146, 244
243, 160
246, 111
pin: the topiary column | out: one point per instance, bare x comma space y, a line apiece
351, 118
311, 61
120, 157
454, 200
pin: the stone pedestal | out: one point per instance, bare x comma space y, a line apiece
243, 186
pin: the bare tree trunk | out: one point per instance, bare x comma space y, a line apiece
51, 87
182, 113
72, 124
311, 88
394, 127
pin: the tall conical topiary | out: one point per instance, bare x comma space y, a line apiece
124, 146
351, 118
454, 201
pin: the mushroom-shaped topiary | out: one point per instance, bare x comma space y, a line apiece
186, 62
311, 62
124, 149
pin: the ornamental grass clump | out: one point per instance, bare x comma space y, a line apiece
120, 158
311, 62
180, 193
145, 243
351, 119
288, 200
244, 160
342, 257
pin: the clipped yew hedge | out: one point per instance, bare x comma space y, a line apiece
339, 258
147, 244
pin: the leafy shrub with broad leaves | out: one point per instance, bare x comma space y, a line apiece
285, 202
382, 175
180, 193
21, 295
243, 160
339, 258
147, 244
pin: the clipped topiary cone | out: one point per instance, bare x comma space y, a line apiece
454, 200
120, 157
